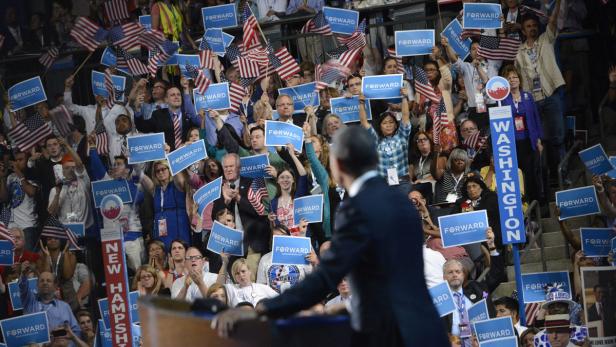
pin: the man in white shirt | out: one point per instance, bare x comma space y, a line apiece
433, 265
198, 280
88, 112
22, 200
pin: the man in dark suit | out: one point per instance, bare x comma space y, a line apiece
175, 120
249, 214
377, 244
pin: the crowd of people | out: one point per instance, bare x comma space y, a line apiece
442, 172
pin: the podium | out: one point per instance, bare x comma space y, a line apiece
170, 323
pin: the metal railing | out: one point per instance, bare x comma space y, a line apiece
533, 213
564, 163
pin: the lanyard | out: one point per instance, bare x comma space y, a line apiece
455, 187
421, 165
55, 268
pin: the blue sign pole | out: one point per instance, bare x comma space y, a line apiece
505, 159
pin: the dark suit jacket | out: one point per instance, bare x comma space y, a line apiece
378, 242
257, 234
161, 122
593, 315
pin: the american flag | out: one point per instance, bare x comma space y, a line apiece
248, 68
61, 118
116, 10
498, 48
357, 39
152, 39
317, 77
102, 144
55, 229
524, 10
423, 86
330, 72
5, 218
88, 34
232, 53
31, 131
318, 25
127, 36
250, 29
392, 53
111, 97
284, 63
201, 81
466, 33
439, 121
475, 141
206, 59
134, 65
257, 54
48, 58
345, 55
256, 192
160, 55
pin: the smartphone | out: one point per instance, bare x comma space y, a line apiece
58, 333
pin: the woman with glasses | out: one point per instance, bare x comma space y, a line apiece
392, 140
170, 216
528, 132
149, 281
420, 161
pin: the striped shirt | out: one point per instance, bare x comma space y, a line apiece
393, 150
447, 184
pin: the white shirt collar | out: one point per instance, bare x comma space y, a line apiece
359, 182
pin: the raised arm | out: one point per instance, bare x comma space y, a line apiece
451, 54
363, 118
553, 21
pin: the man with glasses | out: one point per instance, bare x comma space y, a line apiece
195, 284
145, 109
480, 157
175, 120
285, 109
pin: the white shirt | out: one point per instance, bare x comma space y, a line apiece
193, 291
433, 266
88, 113
264, 6
74, 200
253, 293
23, 212
280, 277
338, 300
519, 328
359, 182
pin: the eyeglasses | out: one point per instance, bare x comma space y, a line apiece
194, 257
423, 139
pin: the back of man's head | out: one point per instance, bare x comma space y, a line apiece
355, 150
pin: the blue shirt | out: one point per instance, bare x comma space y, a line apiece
316, 5
58, 311
148, 108
393, 150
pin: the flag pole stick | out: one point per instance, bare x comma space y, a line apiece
440, 18
82, 64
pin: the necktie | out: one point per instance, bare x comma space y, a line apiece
176, 130
460, 303
124, 146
